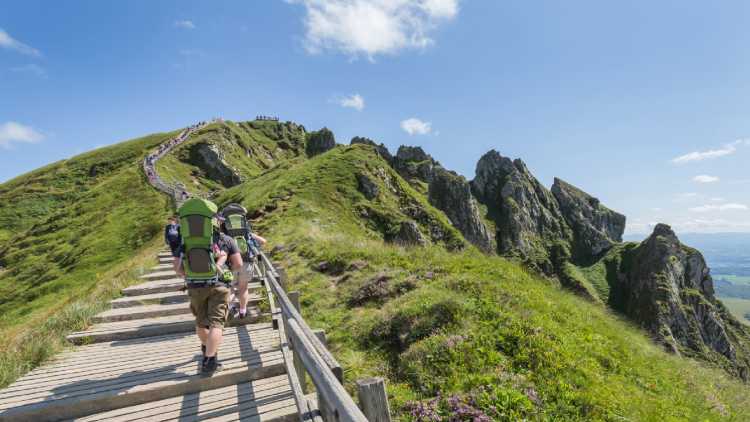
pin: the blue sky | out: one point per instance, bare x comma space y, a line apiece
643, 104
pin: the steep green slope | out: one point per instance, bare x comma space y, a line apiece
245, 149
67, 224
456, 331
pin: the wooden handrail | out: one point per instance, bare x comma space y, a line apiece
289, 311
336, 397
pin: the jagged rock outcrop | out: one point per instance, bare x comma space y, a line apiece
527, 216
409, 234
209, 158
367, 186
319, 142
446, 191
595, 227
381, 149
452, 194
412, 163
666, 287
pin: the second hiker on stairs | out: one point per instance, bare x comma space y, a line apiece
234, 224
202, 255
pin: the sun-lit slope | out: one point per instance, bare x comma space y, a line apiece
70, 222
478, 330
246, 149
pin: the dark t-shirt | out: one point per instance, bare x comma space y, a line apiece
224, 242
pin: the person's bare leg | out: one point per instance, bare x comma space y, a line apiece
213, 341
242, 295
202, 333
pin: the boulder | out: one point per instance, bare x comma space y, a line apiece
595, 227
367, 186
409, 235
319, 142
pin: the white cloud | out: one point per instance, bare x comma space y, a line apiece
704, 178
373, 27
30, 68
414, 126
717, 199
6, 41
727, 149
184, 24
11, 132
722, 207
352, 101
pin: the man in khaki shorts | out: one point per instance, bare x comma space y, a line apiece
210, 302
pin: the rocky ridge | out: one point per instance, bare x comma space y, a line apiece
666, 288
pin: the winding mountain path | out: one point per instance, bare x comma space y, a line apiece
140, 360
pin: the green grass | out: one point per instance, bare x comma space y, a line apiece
459, 322
70, 224
444, 323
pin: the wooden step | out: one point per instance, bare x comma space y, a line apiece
164, 254
108, 376
152, 299
163, 286
166, 260
162, 267
143, 328
163, 298
151, 287
159, 275
266, 400
155, 310
141, 312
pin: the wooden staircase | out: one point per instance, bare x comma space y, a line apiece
141, 361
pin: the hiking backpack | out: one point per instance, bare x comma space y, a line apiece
197, 230
237, 227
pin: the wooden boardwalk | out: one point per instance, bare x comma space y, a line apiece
141, 361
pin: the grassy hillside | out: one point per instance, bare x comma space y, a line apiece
455, 331
66, 226
248, 147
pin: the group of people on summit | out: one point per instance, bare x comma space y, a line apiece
216, 252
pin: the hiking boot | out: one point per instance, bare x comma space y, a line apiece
242, 314
211, 365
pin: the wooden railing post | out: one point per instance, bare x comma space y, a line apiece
373, 399
298, 365
325, 411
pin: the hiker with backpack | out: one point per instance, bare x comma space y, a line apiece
203, 253
235, 224
172, 235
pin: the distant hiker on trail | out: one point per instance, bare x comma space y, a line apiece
234, 224
172, 235
202, 255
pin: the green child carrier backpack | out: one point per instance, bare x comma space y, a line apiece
237, 227
197, 230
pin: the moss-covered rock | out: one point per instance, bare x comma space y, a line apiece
595, 227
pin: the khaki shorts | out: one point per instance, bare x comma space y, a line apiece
209, 305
